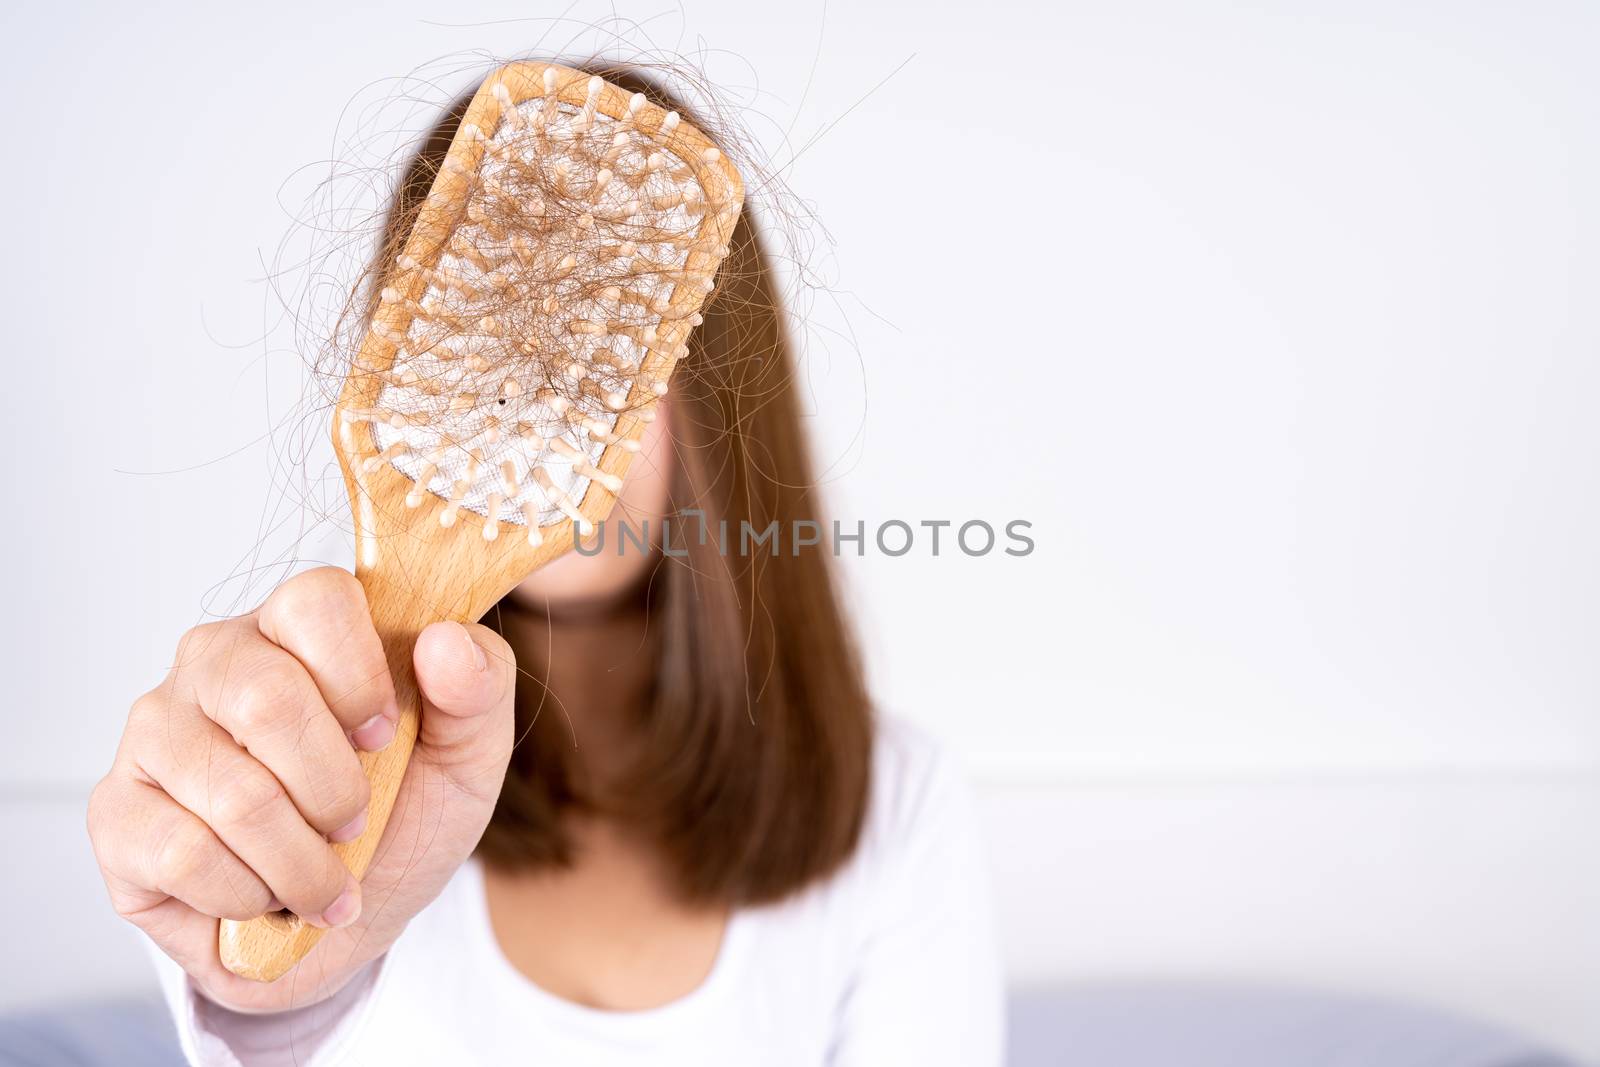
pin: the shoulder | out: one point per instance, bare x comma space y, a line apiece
919, 965
920, 800
919, 850
910, 767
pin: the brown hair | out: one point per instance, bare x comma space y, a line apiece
753, 773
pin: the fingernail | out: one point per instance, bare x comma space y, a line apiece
350, 830
345, 910
373, 734
479, 660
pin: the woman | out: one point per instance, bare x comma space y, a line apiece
650, 817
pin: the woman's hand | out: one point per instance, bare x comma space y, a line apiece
236, 773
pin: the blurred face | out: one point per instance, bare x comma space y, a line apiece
575, 583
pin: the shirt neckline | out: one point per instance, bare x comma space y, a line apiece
530, 993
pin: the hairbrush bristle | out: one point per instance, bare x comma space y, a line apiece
546, 291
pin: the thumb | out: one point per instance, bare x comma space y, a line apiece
467, 675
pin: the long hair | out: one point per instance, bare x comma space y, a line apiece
752, 775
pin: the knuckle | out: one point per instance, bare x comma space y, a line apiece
180, 858
196, 642
249, 800
318, 592
146, 706
95, 812
270, 698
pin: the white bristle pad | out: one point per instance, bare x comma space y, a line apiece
465, 397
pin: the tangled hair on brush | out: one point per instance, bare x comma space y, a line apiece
753, 767
544, 292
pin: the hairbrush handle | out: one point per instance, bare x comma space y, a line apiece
265, 948
415, 571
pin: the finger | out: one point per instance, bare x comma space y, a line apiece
467, 675
186, 935
265, 699
160, 849
203, 769
190, 938
321, 619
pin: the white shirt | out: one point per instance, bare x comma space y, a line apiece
890, 961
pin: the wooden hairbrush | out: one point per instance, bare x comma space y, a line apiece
520, 341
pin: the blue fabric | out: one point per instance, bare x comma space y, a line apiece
129, 1033
1135, 1025
1197, 1025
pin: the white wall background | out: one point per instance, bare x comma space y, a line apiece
1276, 320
